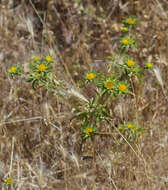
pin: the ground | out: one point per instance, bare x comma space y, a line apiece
40, 144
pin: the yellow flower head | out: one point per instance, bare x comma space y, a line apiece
149, 65
129, 125
90, 76
109, 84
8, 181
131, 21
48, 58
111, 75
133, 69
12, 69
125, 41
36, 58
122, 87
134, 128
89, 130
42, 67
130, 62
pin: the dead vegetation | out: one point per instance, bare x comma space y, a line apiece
40, 147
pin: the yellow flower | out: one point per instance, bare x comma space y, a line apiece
89, 130
109, 84
133, 69
12, 69
149, 65
130, 62
90, 76
125, 41
129, 125
122, 87
48, 58
111, 75
8, 181
42, 67
134, 128
36, 58
131, 21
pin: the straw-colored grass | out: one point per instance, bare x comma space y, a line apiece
40, 145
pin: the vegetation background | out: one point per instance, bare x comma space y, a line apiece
40, 147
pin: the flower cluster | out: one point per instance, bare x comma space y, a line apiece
111, 85
41, 65
131, 130
96, 111
130, 66
127, 41
41, 72
15, 70
116, 82
107, 84
116, 87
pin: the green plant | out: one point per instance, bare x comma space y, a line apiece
148, 65
9, 183
126, 42
94, 112
89, 131
41, 74
131, 131
130, 21
15, 70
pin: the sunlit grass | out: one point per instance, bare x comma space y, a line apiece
96, 116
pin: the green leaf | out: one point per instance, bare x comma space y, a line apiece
33, 84
29, 79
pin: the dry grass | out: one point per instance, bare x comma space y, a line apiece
40, 147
